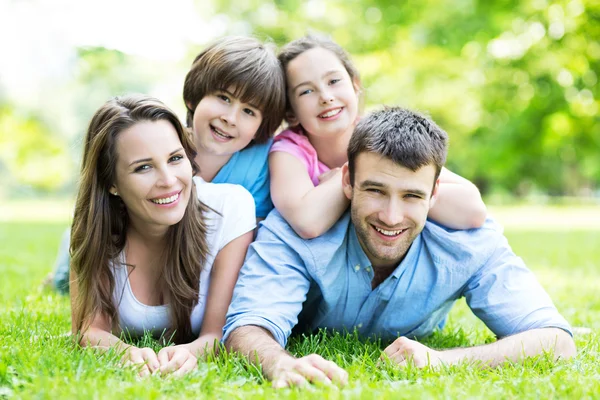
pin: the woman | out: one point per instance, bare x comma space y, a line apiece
153, 248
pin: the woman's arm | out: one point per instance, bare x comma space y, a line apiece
224, 275
98, 336
310, 210
459, 204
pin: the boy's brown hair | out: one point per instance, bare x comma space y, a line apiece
248, 66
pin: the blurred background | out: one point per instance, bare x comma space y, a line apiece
514, 83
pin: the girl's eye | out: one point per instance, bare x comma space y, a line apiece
249, 112
176, 158
224, 98
142, 168
307, 91
334, 81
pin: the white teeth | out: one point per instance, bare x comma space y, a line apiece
221, 133
166, 200
331, 113
389, 233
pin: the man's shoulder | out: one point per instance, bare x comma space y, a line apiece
469, 246
276, 226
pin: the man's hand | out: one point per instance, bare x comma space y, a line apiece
403, 351
145, 358
176, 360
313, 368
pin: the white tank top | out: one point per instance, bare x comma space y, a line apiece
236, 206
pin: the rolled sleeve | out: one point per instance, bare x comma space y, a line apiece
270, 290
507, 297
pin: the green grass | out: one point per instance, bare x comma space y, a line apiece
37, 359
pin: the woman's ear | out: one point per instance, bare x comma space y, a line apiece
113, 190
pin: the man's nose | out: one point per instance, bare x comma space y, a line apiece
392, 214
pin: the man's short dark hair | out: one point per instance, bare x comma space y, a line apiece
405, 137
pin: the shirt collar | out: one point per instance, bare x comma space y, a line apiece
358, 257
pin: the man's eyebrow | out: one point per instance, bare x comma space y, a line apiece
142, 160
371, 183
333, 71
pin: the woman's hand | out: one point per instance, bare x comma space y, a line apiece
145, 358
177, 360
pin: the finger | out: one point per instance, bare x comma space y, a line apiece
178, 358
398, 357
391, 349
289, 379
189, 365
331, 370
312, 373
150, 359
163, 356
144, 371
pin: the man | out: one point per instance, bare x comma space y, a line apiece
384, 270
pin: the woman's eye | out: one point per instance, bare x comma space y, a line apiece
142, 168
176, 158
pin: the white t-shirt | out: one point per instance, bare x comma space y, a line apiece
237, 209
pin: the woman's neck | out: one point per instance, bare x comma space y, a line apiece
333, 151
210, 164
144, 247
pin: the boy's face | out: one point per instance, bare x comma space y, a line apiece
223, 124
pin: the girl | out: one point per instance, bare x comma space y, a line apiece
235, 99
323, 91
153, 249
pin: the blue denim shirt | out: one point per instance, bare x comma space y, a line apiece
326, 282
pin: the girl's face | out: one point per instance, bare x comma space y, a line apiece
323, 97
223, 124
153, 175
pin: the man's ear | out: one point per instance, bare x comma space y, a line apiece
291, 119
346, 185
434, 193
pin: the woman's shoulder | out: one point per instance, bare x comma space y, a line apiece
223, 197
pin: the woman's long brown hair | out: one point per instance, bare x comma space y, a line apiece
100, 223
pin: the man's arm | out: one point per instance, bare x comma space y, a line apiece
278, 365
512, 348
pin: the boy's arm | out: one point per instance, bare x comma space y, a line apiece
310, 210
459, 204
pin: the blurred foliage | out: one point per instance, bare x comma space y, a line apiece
515, 83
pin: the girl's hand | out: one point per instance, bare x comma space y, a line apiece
177, 360
145, 358
330, 174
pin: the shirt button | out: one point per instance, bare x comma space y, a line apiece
368, 269
359, 325
357, 267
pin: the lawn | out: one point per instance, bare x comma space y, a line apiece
37, 359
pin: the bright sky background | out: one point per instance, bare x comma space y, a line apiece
38, 37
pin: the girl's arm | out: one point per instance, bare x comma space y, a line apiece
98, 336
459, 204
310, 210
223, 277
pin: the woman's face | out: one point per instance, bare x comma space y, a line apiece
153, 175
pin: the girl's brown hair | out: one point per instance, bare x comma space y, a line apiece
248, 66
100, 223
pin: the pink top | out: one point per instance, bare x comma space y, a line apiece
298, 145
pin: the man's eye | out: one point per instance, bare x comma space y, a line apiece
376, 191
412, 196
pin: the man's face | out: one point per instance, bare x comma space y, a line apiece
389, 205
